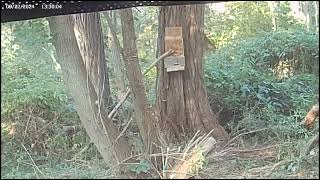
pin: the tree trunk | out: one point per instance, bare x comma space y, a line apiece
144, 115
98, 126
117, 60
90, 40
316, 13
307, 9
182, 98
273, 5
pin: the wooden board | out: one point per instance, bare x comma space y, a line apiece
174, 41
174, 63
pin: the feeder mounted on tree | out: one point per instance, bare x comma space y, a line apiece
174, 41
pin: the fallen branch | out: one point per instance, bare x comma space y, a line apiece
120, 50
168, 53
26, 129
208, 44
114, 110
275, 166
45, 126
252, 150
259, 153
241, 134
80, 152
192, 163
124, 129
310, 145
35, 167
267, 170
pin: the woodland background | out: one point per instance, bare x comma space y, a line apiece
261, 72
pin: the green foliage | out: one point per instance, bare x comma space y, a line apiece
258, 77
244, 19
240, 20
25, 170
295, 49
146, 31
28, 74
146, 27
143, 166
243, 73
33, 94
285, 21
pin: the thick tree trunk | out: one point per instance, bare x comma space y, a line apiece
144, 115
90, 40
98, 126
182, 98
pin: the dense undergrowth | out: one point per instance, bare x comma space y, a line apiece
254, 92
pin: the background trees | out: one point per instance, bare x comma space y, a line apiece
255, 78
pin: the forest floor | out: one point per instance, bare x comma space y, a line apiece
276, 161
241, 159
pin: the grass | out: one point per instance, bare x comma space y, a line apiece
94, 169
250, 154
257, 153
254, 152
246, 157
278, 159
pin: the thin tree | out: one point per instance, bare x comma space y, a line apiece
144, 114
117, 61
273, 5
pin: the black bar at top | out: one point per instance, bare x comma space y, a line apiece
24, 10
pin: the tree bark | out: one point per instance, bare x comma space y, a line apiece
273, 5
88, 32
307, 9
98, 126
117, 60
316, 13
182, 98
143, 112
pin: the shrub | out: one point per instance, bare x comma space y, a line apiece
241, 77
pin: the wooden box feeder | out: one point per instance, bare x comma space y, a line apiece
174, 41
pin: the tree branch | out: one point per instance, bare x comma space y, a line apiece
114, 110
